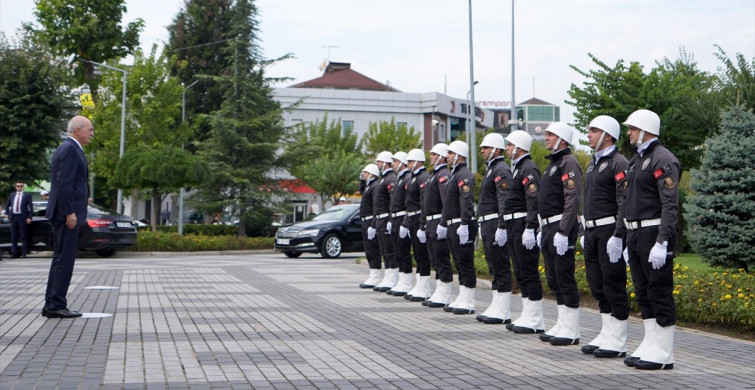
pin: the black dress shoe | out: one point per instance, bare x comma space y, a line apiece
435, 304
644, 365
480, 317
398, 293
563, 341
510, 326
448, 309
545, 337
493, 320
589, 349
424, 303
407, 297
525, 330
366, 285
604, 353
629, 361
418, 299
63, 313
44, 311
459, 310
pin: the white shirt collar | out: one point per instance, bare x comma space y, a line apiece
643, 147
77, 142
605, 152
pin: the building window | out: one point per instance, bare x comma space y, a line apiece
346, 126
399, 124
296, 122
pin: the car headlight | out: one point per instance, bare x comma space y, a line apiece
308, 233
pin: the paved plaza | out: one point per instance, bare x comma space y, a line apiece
261, 320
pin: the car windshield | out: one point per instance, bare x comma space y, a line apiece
336, 213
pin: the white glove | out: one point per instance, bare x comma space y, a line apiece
421, 236
463, 232
613, 247
626, 255
528, 238
658, 255
371, 233
500, 237
441, 231
582, 242
388, 227
561, 242
539, 238
403, 231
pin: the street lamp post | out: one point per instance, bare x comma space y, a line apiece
181, 192
473, 140
513, 120
470, 121
119, 204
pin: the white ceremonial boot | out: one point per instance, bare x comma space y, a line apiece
569, 332
376, 275
557, 327
661, 354
646, 343
597, 342
615, 343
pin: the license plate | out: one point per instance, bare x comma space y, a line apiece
283, 241
123, 224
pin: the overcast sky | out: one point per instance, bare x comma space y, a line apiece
423, 45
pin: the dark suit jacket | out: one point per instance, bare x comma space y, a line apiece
27, 208
68, 182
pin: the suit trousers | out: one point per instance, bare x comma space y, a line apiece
607, 281
525, 261
497, 257
654, 288
18, 232
559, 269
65, 247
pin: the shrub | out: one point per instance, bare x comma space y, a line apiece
167, 242
200, 229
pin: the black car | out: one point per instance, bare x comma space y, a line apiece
104, 232
330, 233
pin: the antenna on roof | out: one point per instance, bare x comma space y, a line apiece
329, 47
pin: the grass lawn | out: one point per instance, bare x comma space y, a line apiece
696, 263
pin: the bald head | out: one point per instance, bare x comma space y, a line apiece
80, 128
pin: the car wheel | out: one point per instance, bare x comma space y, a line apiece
107, 252
331, 246
292, 254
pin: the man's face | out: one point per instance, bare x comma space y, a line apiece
84, 133
434, 158
381, 165
486, 151
19, 186
450, 157
550, 140
634, 135
593, 135
510, 150
396, 165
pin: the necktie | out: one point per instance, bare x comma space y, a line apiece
17, 209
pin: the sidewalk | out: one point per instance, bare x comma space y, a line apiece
261, 320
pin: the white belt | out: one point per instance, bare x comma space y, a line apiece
398, 214
383, 215
509, 217
641, 224
549, 220
367, 218
599, 222
413, 213
487, 218
453, 221
432, 217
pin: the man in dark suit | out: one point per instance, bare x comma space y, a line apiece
67, 209
19, 211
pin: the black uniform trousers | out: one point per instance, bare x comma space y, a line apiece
65, 247
18, 233
464, 254
559, 270
497, 257
387, 251
440, 254
653, 287
402, 247
420, 249
526, 262
371, 248
607, 281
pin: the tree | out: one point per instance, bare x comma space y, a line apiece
334, 175
388, 136
160, 169
720, 213
684, 97
88, 31
737, 79
153, 110
32, 100
244, 140
308, 142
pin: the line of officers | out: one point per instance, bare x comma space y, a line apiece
629, 211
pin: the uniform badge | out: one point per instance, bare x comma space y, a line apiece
590, 169
645, 164
626, 185
414, 179
390, 186
669, 183
532, 188
406, 186
442, 179
603, 166
422, 185
504, 186
465, 189
570, 184
527, 179
461, 183
553, 171
620, 176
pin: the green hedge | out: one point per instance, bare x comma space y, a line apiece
193, 228
148, 241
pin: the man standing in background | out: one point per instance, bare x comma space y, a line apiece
19, 211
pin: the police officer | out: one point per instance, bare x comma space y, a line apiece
490, 211
412, 223
432, 209
402, 245
367, 186
382, 212
459, 224
520, 219
606, 276
558, 205
650, 213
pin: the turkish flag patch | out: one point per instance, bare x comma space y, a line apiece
658, 173
620, 176
497, 179
565, 177
442, 179
460, 183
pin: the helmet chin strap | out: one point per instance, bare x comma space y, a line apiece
492, 155
555, 147
438, 162
640, 137
600, 141
456, 157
